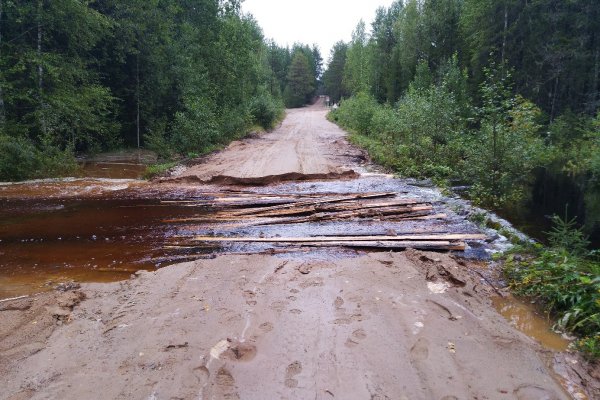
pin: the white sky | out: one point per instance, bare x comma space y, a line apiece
323, 22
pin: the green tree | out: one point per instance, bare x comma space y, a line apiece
334, 76
300, 82
358, 68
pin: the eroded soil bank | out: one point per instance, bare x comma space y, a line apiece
258, 321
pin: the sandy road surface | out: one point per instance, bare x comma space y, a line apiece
305, 143
405, 325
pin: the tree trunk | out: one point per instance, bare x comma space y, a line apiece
2, 111
40, 68
552, 107
504, 33
595, 89
137, 94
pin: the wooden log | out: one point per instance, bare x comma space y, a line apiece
451, 236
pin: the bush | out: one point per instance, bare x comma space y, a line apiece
196, 128
385, 124
156, 140
566, 281
18, 159
356, 113
21, 160
265, 110
233, 123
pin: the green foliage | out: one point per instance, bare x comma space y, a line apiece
358, 68
195, 128
265, 110
565, 279
81, 76
300, 84
158, 169
507, 147
566, 237
357, 112
20, 159
157, 141
334, 76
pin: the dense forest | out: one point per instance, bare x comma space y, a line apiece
500, 98
176, 77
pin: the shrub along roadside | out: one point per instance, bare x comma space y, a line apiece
20, 159
265, 112
564, 279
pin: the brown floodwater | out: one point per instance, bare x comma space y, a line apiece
126, 164
47, 241
112, 170
526, 318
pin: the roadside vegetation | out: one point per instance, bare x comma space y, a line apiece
173, 77
500, 98
564, 278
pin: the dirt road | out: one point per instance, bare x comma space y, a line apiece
305, 144
302, 325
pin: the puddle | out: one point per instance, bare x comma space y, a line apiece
525, 318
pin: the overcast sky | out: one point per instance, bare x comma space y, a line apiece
323, 22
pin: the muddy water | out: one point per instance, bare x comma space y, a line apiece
45, 241
112, 170
525, 318
127, 164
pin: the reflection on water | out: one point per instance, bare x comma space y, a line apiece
46, 241
524, 317
127, 164
112, 170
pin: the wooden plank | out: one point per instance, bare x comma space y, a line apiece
356, 196
317, 216
426, 245
402, 244
342, 206
451, 236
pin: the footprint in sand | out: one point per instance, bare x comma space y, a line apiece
534, 392
355, 338
278, 305
292, 370
224, 378
225, 385
420, 350
266, 327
